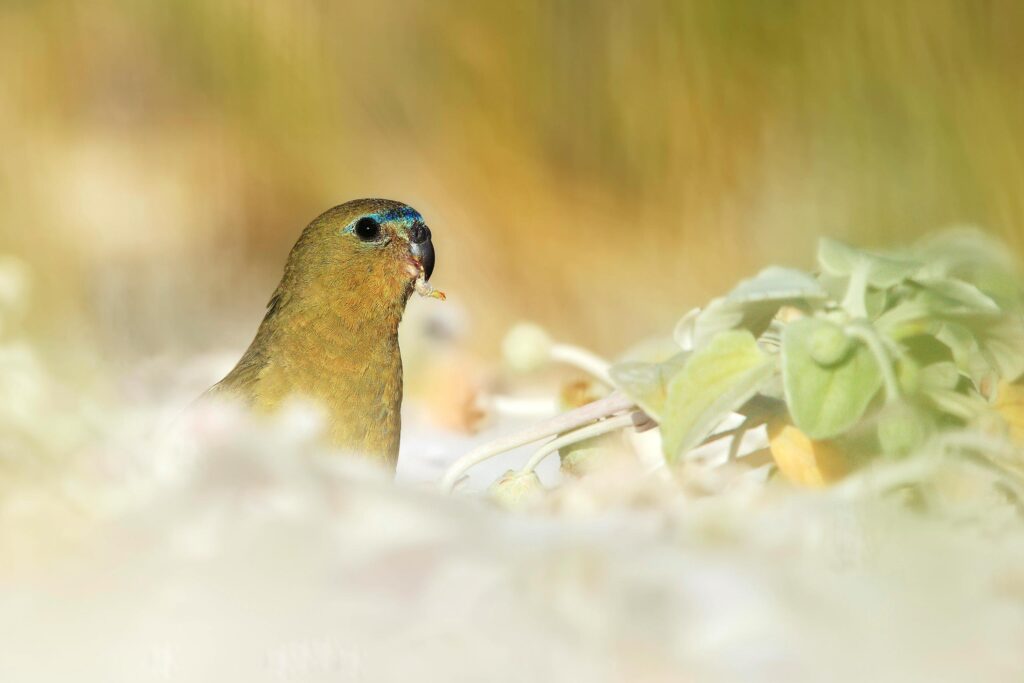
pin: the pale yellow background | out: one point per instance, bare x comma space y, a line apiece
598, 167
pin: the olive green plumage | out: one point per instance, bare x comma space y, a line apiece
330, 333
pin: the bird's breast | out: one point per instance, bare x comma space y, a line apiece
359, 386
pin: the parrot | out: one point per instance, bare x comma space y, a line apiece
330, 332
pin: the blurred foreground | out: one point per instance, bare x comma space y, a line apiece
139, 543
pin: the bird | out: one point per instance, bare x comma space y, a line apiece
330, 332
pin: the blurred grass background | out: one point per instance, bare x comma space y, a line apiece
598, 167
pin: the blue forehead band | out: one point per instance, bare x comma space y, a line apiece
405, 216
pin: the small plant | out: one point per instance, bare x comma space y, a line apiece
872, 356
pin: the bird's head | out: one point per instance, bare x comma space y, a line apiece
370, 250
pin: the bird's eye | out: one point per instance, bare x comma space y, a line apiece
367, 229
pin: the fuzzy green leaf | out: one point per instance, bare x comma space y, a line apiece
907, 319
949, 296
882, 270
903, 429
1001, 340
963, 406
942, 376
716, 380
984, 343
778, 284
825, 401
753, 303
722, 314
969, 254
647, 383
828, 344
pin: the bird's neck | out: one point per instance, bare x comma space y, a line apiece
341, 352
346, 329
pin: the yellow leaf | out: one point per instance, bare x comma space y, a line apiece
805, 462
1010, 406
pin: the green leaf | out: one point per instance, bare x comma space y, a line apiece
927, 349
983, 342
909, 318
959, 340
716, 380
908, 375
828, 344
967, 407
925, 364
685, 330
1002, 343
751, 305
970, 255
874, 300
825, 401
882, 270
949, 296
939, 376
647, 383
903, 429
962, 249
778, 284
836, 258
722, 314
653, 350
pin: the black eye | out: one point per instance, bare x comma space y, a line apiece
367, 229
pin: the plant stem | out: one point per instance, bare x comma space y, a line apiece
737, 440
583, 359
514, 406
614, 403
746, 426
867, 334
856, 291
590, 431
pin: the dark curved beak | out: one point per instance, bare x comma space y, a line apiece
422, 248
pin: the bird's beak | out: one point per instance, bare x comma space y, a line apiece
422, 248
